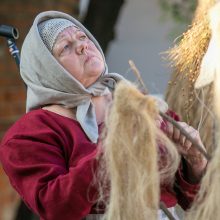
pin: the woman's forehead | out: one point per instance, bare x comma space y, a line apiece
67, 31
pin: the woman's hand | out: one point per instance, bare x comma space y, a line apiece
196, 162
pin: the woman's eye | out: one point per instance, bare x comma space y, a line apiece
83, 37
66, 47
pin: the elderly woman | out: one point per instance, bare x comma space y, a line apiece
49, 154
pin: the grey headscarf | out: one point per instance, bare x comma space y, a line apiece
49, 83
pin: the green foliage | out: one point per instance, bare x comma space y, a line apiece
180, 10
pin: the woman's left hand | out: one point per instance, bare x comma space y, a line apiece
196, 162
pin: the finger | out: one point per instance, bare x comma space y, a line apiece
169, 130
176, 134
182, 139
159, 121
193, 134
187, 145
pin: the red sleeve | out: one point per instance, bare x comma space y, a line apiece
52, 183
45, 184
173, 115
185, 192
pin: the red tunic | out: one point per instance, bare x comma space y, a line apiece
50, 162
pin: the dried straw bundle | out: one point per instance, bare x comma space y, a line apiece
206, 206
194, 106
131, 157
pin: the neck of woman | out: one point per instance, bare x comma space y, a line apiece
61, 110
101, 104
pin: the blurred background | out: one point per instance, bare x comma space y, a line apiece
126, 29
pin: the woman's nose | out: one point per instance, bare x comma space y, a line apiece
82, 47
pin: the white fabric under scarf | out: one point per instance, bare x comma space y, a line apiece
49, 83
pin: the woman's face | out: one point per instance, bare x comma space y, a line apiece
78, 55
